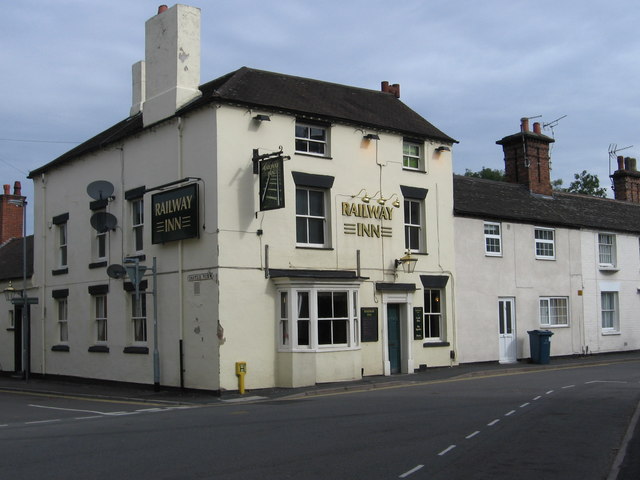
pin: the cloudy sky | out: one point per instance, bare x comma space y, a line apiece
471, 68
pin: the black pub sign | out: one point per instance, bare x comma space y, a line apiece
271, 190
174, 214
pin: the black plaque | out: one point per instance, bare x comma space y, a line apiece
271, 183
174, 214
418, 332
369, 324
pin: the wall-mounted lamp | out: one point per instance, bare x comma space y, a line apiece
262, 118
10, 293
408, 263
396, 202
371, 136
443, 149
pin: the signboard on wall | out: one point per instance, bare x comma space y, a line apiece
271, 173
369, 324
174, 214
418, 331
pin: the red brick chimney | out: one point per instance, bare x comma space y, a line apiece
11, 215
393, 89
526, 158
626, 180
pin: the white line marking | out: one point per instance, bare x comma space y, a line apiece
537, 398
605, 381
525, 405
446, 450
569, 386
412, 471
550, 391
471, 435
149, 410
86, 418
5, 425
69, 409
509, 413
491, 424
42, 421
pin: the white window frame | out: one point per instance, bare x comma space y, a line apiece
63, 240
12, 321
137, 224
409, 156
101, 317
308, 143
610, 312
62, 306
139, 318
554, 311
492, 240
413, 224
294, 319
100, 243
307, 217
431, 313
607, 257
542, 244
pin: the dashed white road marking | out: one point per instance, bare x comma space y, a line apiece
605, 381
446, 450
525, 405
471, 435
492, 423
549, 392
42, 421
537, 398
508, 414
410, 472
569, 386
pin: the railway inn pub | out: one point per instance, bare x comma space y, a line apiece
302, 227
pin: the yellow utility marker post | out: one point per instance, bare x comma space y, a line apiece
241, 370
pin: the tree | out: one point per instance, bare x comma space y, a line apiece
587, 184
486, 173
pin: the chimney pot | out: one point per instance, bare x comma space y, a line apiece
394, 89
17, 189
524, 124
7, 189
620, 162
162, 8
536, 128
627, 163
632, 164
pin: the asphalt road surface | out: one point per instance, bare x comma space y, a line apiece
565, 423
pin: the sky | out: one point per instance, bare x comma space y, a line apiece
473, 69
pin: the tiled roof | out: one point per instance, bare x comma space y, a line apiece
493, 200
276, 92
11, 258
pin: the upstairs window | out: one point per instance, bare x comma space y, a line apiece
607, 250
492, 239
63, 326
312, 139
412, 155
100, 309
545, 243
311, 220
413, 225
137, 223
139, 316
609, 312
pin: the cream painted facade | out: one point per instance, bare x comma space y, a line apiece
232, 314
282, 290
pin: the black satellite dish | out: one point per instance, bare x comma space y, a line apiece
116, 271
100, 190
103, 221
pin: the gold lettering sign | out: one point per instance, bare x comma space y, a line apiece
174, 214
375, 212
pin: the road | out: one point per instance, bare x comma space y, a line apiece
558, 423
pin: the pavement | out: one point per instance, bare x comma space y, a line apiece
626, 466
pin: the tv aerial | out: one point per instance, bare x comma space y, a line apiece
613, 153
100, 190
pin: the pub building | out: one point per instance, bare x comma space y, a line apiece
296, 230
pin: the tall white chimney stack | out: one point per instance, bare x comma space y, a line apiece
172, 63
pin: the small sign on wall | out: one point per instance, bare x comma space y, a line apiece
418, 330
271, 172
369, 324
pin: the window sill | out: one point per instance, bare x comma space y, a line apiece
60, 348
98, 264
140, 256
60, 271
493, 255
414, 170
137, 350
308, 247
435, 344
99, 348
554, 326
613, 332
548, 259
305, 154
10, 329
318, 349
608, 268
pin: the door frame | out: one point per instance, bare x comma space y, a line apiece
405, 302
